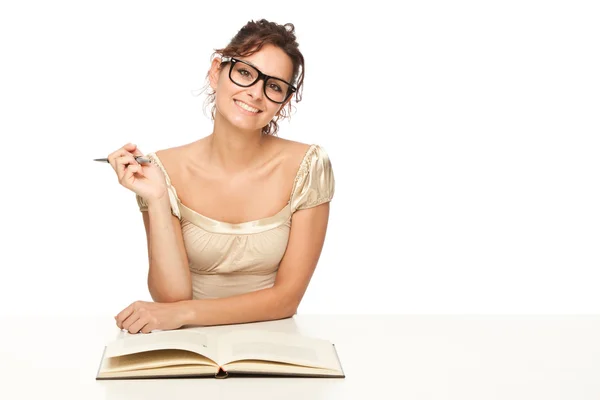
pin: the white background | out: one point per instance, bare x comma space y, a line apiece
463, 135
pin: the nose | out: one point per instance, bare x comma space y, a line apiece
256, 91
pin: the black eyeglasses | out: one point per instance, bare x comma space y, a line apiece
245, 75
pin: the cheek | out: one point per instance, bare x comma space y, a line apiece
272, 110
222, 95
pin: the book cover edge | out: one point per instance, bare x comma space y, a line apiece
101, 361
339, 361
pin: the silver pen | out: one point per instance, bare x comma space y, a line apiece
139, 159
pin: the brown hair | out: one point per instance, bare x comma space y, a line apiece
249, 40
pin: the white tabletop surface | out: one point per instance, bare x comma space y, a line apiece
388, 357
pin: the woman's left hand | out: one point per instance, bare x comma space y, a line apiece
144, 317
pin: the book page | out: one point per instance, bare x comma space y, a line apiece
154, 359
190, 340
276, 368
177, 370
277, 346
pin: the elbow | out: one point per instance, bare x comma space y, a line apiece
291, 308
286, 306
289, 312
170, 296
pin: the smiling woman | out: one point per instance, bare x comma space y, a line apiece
235, 221
269, 44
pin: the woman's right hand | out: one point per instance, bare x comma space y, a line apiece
145, 180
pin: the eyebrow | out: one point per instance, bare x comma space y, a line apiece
246, 61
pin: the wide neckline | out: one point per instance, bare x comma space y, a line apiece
246, 227
270, 222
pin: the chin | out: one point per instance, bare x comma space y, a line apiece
245, 123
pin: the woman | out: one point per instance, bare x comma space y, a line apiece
235, 222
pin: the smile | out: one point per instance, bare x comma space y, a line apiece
247, 107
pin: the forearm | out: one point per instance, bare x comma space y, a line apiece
261, 305
168, 276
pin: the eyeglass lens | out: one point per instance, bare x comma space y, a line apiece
245, 75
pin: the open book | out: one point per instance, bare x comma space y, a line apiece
190, 352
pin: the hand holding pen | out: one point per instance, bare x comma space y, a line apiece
139, 159
137, 173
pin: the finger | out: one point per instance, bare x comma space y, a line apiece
125, 158
123, 315
138, 325
121, 164
132, 319
149, 328
112, 157
132, 148
129, 148
130, 170
135, 169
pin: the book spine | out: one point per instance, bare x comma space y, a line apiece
221, 373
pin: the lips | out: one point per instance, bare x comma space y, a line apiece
247, 107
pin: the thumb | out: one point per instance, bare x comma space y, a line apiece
132, 148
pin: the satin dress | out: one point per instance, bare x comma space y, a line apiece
227, 259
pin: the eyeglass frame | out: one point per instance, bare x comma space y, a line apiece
261, 76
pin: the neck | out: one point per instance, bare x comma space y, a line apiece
234, 149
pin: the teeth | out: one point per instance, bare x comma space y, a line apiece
246, 107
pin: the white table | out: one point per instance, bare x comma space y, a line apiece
388, 357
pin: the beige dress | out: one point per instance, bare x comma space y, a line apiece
227, 259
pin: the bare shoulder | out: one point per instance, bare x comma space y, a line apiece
291, 152
171, 158
169, 153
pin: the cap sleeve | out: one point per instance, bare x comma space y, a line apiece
173, 199
314, 183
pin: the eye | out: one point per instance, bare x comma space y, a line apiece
275, 87
244, 72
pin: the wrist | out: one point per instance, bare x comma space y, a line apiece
159, 203
187, 312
